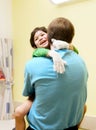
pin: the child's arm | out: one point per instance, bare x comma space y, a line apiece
40, 52
75, 49
58, 62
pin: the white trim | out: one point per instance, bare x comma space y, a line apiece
89, 122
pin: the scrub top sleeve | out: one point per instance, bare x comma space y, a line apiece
28, 89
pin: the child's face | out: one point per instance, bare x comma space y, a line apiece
40, 39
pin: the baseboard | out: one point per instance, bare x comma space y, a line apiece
89, 122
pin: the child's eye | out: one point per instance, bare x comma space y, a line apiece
36, 38
42, 34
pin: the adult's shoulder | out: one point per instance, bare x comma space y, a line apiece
28, 64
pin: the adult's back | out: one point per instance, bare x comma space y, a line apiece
59, 98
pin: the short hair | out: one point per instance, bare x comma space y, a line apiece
61, 29
33, 33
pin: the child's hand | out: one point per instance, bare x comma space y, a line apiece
59, 44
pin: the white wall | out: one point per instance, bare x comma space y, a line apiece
6, 18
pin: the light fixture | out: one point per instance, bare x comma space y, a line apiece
57, 2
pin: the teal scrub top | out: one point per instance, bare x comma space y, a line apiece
59, 98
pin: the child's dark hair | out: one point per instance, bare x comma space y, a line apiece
61, 29
33, 33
